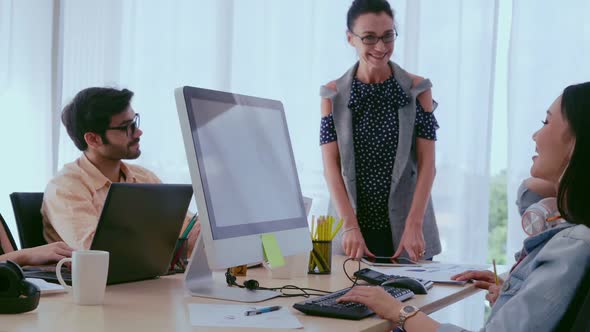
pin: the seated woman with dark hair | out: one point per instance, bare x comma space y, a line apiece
551, 265
42, 255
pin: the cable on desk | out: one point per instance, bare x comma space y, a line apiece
347, 275
252, 284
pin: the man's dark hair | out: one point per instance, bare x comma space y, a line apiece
360, 7
91, 111
572, 196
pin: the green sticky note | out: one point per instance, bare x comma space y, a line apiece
272, 251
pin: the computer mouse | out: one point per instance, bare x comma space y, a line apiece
407, 283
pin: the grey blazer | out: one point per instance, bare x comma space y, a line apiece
403, 181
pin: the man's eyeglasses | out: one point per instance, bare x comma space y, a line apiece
129, 128
373, 40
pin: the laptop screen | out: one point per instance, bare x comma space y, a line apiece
139, 226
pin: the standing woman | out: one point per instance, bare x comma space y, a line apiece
377, 136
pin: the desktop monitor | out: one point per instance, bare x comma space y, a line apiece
245, 182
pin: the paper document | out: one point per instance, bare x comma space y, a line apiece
233, 315
46, 287
436, 272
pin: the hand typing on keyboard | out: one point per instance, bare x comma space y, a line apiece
330, 305
377, 299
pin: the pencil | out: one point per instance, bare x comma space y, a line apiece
337, 229
495, 272
189, 227
319, 228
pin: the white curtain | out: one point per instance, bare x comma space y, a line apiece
453, 43
456, 51
549, 50
25, 99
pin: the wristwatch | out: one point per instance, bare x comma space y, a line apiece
405, 313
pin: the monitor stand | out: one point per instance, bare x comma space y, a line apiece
199, 281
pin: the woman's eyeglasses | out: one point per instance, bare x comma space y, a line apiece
372, 39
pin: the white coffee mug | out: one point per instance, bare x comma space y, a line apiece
89, 275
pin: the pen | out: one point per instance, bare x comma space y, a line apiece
495, 272
262, 310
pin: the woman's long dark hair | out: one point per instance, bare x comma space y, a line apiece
573, 196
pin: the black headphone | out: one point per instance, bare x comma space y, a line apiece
16, 294
251, 284
286, 290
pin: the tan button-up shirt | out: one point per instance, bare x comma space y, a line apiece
74, 198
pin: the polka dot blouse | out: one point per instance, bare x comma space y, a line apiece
375, 134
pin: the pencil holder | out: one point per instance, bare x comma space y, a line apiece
320, 258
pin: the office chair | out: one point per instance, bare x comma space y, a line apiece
576, 316
27, 212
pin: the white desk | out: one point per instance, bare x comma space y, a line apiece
161, 305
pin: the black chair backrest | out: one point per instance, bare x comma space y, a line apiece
577, 316
27, 212
8, 234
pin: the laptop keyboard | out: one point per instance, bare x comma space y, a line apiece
49, 276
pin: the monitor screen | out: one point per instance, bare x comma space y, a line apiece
246, 164
246, 185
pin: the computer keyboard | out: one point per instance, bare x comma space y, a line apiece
327, 306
